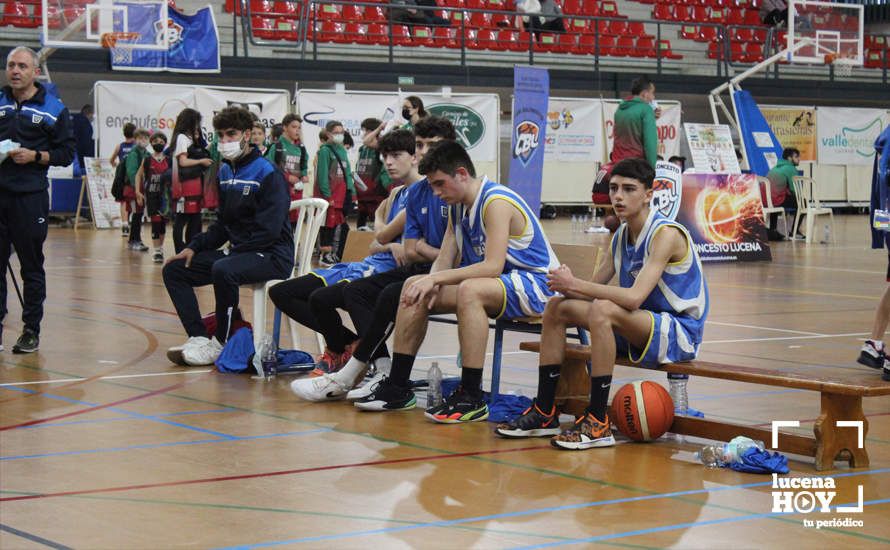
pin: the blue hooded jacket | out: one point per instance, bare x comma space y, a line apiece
880, 188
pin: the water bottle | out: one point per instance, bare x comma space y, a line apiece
584, 224
574, 223
269, 357
434, 389
678, 392
721, 455
826, 234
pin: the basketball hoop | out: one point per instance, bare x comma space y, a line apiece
121, 45
843, 66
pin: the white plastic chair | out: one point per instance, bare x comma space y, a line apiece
808, 205
769, 208
312, 214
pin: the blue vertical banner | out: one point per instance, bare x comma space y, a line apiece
531, 94
761, 146
193, 42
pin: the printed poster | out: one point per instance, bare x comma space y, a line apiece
100, 177
712, 148
794, 127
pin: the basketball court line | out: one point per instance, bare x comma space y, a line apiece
763, 328
820, 268
787, 291
34, 538
113, 377
124, 418
779, 338
547, 510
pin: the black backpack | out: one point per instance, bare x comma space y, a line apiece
120, 181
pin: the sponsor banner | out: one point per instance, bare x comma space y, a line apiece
668, 127
531, 90
475, 119
724, 216
712, 149
667, 189
574, 130
847, 135
794, 127
193, 42
100, 178
156, 106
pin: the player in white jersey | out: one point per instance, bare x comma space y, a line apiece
493, 263
656, 314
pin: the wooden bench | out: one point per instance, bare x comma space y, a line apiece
841, 400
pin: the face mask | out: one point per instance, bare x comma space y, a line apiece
406, 114
230, 150
158, 147
338, 138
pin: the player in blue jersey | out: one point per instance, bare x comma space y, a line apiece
493, 263
655, 315
313, 299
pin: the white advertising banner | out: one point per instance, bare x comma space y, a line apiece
100, 177
155, 107
712, 149
668, 125
847, 135
574, 130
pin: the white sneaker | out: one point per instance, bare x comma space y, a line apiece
199, 355
174, 354
326, 387
368, 388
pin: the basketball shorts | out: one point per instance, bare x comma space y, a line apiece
669, 342
351, 271
525, 294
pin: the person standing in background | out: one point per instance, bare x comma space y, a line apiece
636, 135
82, 127
190, 159
121, 150
290, 155
39, 122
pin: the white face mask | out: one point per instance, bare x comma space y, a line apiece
338, 138
230, 150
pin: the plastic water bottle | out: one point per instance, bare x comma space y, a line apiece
574, 223
269, 357
678, 392
722, 455
434, 389
826, 234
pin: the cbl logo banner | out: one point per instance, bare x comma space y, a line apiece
847, 135
531, 93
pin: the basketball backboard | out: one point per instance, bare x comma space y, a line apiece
136, 24
834, 30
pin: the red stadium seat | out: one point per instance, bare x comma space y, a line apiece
262, 8
689, 32
873, 59
287, 10
664, 12
445, 37
753, 53
374, 14
591, 8
422, 36
736, 52
618, 28
707, 34
609, 9
400, 35
377, 33
682, 13
488, 40
700, 14
637, 28
645, 47
736, 16
579, 26
327, 12
478, 20
18, 15
742, 34
715, 50
665, 51
263, 27
547, 43
566, 43
501, 20
352, 13
623, 46
572, 7
752, 17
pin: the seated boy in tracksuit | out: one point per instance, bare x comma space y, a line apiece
655, 315
253, 219
313, 299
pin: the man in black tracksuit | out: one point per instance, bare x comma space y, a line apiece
40, 124
253, 218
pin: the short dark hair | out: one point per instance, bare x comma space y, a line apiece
290, 118
637, 169
86, 109
370, 124
158, 135
447, 156
277, 130
333, 124
396, 141
258, 124
129, 129
347, 140
789, 152
233, 117
435, 126
640, 85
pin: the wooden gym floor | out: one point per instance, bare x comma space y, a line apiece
106, 445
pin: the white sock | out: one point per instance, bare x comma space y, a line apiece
352, 371
383, 364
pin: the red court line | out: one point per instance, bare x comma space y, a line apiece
132, 306
278, 473
97, 407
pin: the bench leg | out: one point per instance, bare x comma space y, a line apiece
840, 443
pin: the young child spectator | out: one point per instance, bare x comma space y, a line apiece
190, 160
135, 204
333, 182
153, 187
290, 155
258, 137
121, 150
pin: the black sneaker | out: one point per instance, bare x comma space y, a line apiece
459, 407
870, 356
28, 342
387, 397
531, 423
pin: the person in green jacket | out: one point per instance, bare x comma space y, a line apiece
135, 206
333, 182
635, 133
290, 155
781, 180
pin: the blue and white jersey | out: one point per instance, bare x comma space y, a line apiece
528, 251
426, 216
680, 298
380, 262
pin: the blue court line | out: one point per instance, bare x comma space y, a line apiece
159, 445
535, 511
676, 526
33, 538
121, 418
128, 413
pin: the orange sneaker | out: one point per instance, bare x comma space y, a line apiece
330, 362
586, 433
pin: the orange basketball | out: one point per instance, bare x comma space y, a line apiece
611, 222
642, 410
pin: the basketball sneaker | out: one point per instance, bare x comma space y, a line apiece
458, 407
28, 342
382, 367
330, 362
886, 374
326, 387
174, 354
871, 356
158, 256
586, 433
125, 230
201, 354
387, 397
533, 422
